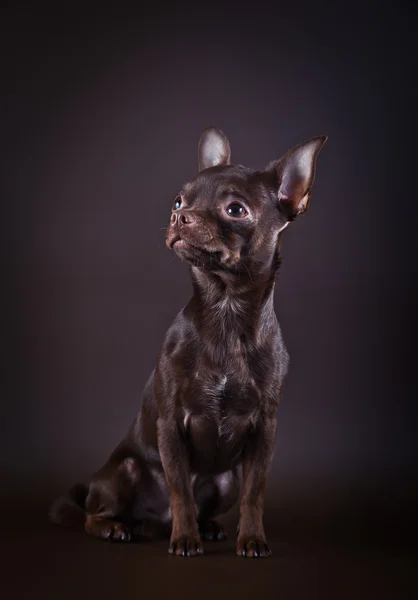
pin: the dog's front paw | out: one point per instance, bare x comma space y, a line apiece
185, 545
252, 546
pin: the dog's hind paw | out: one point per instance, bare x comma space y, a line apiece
212, 531
112, 531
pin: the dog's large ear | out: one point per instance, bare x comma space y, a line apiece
213, 148
295, 174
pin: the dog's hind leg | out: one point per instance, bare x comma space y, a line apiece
110, 499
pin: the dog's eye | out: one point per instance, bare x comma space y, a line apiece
177, 203
236, 210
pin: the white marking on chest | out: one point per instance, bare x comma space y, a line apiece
221, 305
216, 389
229, 303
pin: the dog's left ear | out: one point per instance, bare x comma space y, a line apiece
214, 148
295, 174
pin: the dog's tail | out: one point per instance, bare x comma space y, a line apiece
69, 510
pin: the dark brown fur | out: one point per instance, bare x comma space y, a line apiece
209, 406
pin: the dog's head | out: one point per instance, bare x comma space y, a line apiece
229, 217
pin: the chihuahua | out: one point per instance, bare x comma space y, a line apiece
207, 421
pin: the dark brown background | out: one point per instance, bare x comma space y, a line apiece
102, 114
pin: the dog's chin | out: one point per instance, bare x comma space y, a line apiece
196, 255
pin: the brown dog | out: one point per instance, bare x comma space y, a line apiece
209, 406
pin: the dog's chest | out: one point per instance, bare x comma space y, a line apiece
218, 413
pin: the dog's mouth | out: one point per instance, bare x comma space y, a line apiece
189, 247
194, 253
179, 243
202, 252
176, 242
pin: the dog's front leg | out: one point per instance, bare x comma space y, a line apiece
185, 538
256, 464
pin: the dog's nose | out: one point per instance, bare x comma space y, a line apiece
182, 218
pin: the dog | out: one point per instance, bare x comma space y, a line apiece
208, 414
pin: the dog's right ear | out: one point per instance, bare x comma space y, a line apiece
213, 149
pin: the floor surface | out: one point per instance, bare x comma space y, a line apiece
67, 565
336, 562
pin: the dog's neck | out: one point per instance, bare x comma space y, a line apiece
228, 306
